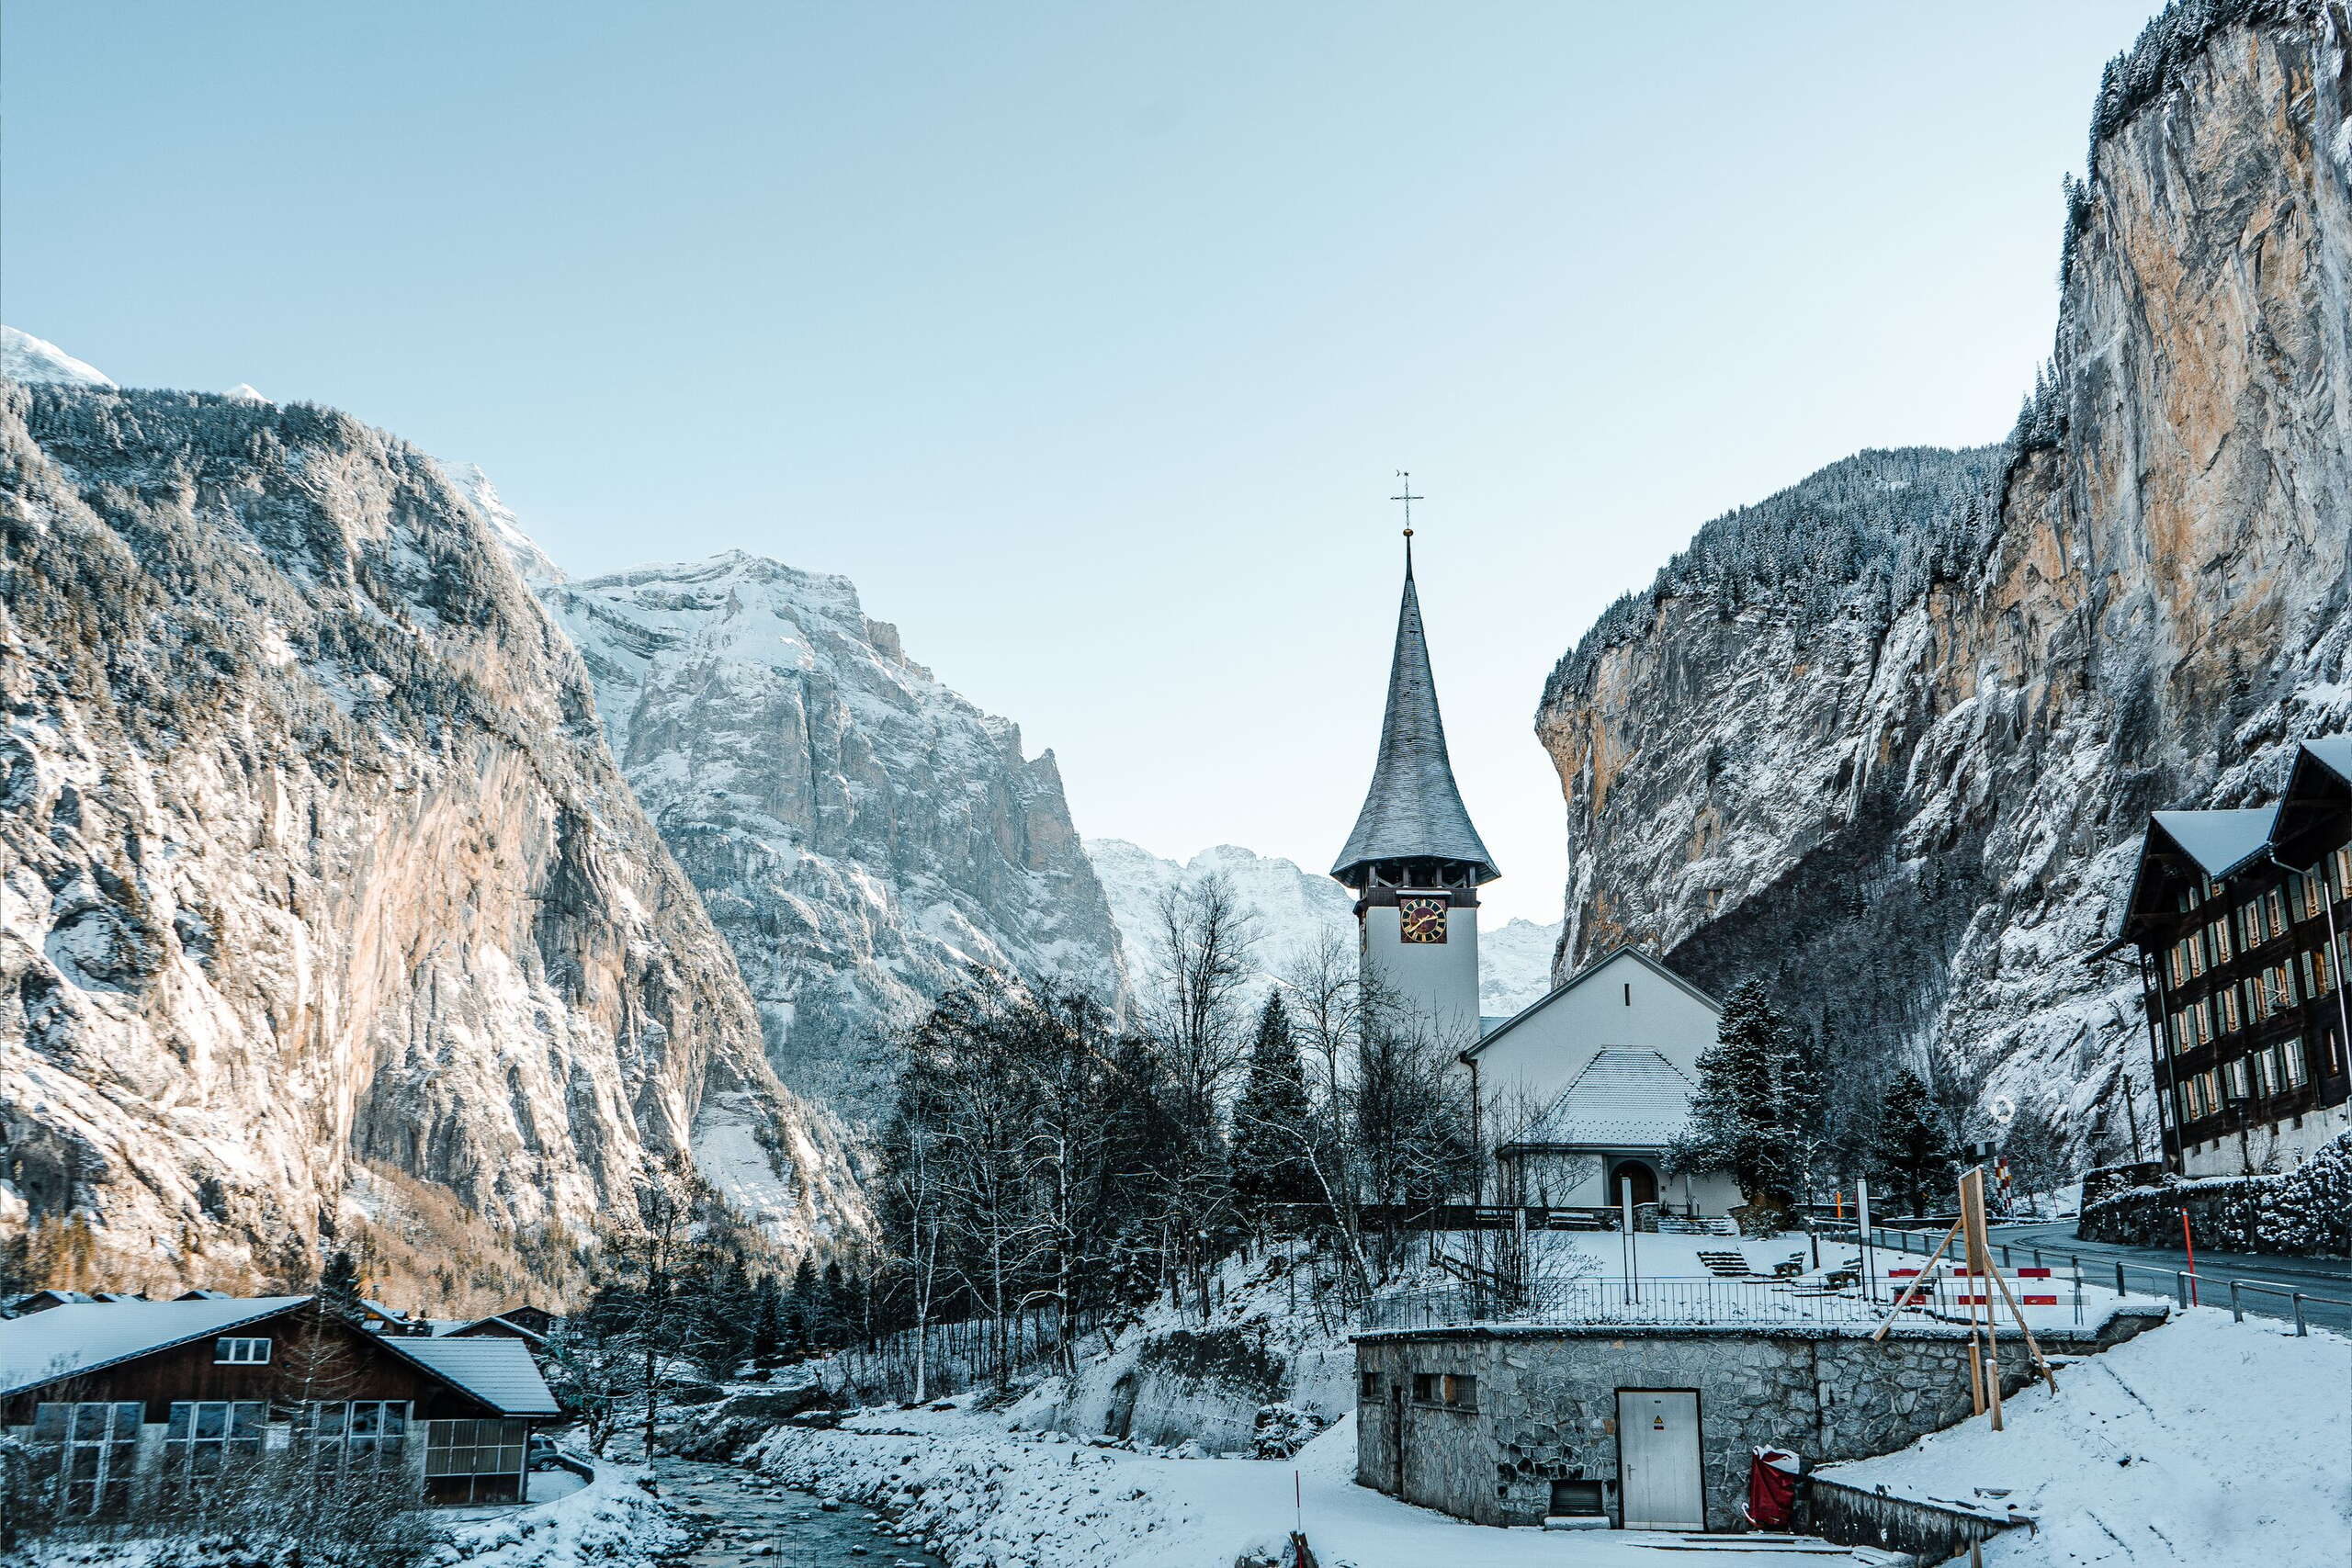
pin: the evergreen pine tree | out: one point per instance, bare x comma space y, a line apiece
1757, 1114
1910, 1147
339, 1283
800, 1306
767, 1319
1272, 1121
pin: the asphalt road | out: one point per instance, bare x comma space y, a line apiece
2151, 1270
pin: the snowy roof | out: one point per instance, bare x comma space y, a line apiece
497, 1371
1490, 1028
2334, 752
1413, 810
2219, 841
68, 1340
1627, 1096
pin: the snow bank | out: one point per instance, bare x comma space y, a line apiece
987, 1498
2205, 1441
613, 1522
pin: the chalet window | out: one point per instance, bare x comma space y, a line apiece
2342, 861
2311, 888
204, 1437
2294, 1071
2179, 961
2221, 931
360, 1434
1452, 1390
241, 1352
2257, 1072
2250, 923
2234, 1079
2196, 956
1367, 1385
2276, 902
2227, 1004
94, 1448
468, 1462
2286, 983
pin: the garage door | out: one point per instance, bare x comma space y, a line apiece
1658, 1451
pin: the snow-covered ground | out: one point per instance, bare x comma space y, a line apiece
2207, 1441
988, 1497
611, 1520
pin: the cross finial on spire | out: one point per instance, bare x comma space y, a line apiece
1407, 498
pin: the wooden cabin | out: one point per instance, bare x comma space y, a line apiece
125, 1395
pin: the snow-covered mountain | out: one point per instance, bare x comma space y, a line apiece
324, 907
24, 358
859, 831
1889, 739
1295, 912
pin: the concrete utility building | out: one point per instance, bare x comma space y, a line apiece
1651, 1426
1587, 1086
2242, 920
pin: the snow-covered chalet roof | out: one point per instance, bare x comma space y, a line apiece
496, 1370
67, 1341
2219, 841
1626, 1097
1413, 810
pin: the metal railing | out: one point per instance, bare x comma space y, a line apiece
1612, 1301
2187, 1287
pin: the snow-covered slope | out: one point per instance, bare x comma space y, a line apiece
859, 831
1888, 739
323, 909
1297, 912
24, 358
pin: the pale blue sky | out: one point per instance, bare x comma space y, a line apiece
1086, 337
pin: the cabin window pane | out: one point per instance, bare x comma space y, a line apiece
2292, 1063
365, 1432
204, 1437
241, 1352
87, 1453
2221, 929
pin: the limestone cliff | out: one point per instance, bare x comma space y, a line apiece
1888, 737
860, 832
323, 909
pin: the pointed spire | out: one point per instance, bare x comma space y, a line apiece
1413, 812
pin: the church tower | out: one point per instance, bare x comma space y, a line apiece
1415, 862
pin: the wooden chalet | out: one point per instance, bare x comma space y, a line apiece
2243, 922
118, 1397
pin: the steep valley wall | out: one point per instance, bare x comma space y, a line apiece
1888, 739
324, 913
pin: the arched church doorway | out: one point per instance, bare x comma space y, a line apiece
1640, 1173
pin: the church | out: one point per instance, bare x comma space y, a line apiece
1580, 1094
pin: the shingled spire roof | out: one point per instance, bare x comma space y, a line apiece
1413, 812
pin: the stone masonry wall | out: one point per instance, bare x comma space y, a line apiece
1547, 1404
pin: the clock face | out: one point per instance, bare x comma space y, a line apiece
1422, 920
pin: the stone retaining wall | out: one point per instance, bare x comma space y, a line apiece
1547, 1404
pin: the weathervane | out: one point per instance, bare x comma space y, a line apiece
1407, 498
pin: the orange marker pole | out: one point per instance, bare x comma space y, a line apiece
2189, 1241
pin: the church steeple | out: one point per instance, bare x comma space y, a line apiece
1413, 829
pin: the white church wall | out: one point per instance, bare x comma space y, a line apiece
1623, 1003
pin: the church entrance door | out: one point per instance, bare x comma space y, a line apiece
1641, 1174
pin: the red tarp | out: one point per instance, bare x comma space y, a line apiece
1772, 1488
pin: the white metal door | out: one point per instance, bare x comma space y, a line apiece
1657, 1454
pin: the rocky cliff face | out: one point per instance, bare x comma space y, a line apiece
322, 907
1888, 738
860, 833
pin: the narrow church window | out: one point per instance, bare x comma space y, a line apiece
1629, 993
